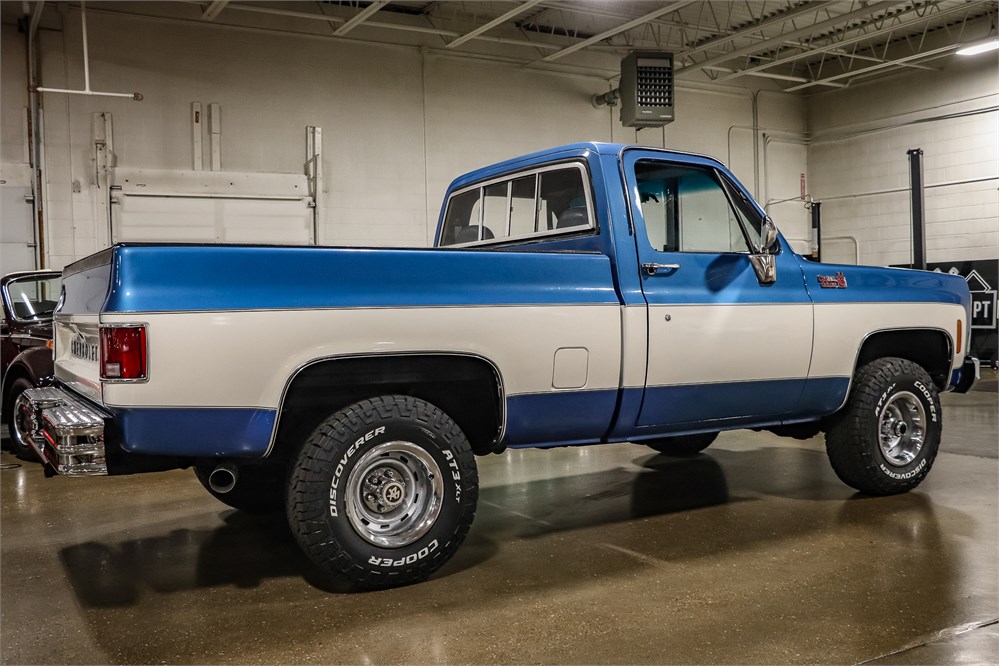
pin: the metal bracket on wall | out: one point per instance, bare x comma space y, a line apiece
314, 174
196, 145
215, 135
105, 160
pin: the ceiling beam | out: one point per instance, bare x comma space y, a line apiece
751, 30
672, 7
358, 19
846, 42
774, 41
426, 30
519, 9
873, 68
214, 9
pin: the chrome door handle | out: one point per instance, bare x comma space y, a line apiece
652, 269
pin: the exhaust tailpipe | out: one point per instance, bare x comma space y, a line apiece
223, 478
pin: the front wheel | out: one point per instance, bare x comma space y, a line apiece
885, 440
383, 492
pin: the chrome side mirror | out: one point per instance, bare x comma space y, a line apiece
768, 236
764, 259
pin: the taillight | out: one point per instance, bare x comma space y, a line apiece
123, 352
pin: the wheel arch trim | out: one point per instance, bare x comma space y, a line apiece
498, 374
903, 329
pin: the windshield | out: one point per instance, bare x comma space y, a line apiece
33, 297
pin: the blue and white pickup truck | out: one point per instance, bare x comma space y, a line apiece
587, 294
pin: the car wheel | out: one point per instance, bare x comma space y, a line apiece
20, 443
258, 488
683, 445
885, 440
383, 492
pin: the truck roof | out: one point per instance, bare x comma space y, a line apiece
554, 154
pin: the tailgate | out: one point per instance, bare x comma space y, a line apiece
85, 287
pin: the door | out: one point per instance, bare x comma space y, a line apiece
17, 247
724, 349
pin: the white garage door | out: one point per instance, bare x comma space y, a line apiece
211, 207
17, 235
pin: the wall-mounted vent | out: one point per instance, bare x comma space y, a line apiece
647, 98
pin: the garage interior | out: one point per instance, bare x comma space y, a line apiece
342, 123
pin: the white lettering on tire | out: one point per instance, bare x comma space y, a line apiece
929, 399
903, 475
455, 473
409, 559
335, 484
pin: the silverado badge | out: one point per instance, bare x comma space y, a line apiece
833, 282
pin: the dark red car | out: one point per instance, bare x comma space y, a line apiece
29, 298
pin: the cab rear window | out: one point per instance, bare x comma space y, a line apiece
550, 201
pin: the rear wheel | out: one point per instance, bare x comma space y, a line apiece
383, 492
683, 445
885, 440
15, 409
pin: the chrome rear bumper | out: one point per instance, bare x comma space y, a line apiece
66, 432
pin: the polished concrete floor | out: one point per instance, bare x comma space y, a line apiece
750, 553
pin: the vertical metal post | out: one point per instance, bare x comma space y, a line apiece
86, 52
918, 198
817, 230
35, 139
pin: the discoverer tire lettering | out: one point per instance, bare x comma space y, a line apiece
857, 436
383, 492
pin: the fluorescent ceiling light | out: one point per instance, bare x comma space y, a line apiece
982, 47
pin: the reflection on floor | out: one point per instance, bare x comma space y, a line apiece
750, 553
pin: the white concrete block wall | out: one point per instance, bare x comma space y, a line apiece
860, 170
398, 124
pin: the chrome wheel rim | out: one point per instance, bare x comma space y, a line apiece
22, 423
902, 429
394, 494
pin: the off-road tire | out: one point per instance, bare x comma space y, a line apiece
330, 492
854, 435
21, 450
259, 489
683, 445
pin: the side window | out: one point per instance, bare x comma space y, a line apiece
523, 216
494, 208
461, 223
686, 209
747, 212
550, 201
562, 200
